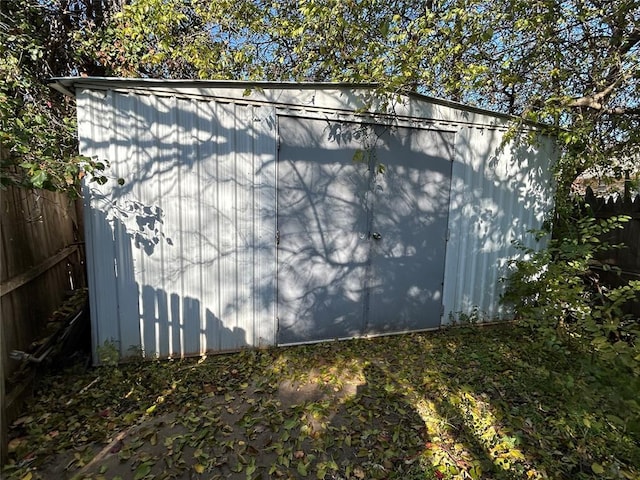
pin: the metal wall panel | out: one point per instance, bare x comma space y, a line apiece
499, 192
182, 254
99, 240
337, 97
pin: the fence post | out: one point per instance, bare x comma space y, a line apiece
4, 437
3, 402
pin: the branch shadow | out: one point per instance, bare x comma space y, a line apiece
361, 212
150, 321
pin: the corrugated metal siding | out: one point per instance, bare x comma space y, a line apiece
182, 257
498, 194
183, 253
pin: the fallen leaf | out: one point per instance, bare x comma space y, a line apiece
358, 472
23, 420
142, 471
15, 443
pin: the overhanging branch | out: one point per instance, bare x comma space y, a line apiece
594, 101
631, 111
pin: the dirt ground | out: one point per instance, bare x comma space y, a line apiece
334, 422
221, 437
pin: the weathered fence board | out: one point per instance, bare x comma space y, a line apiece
40, 261
3, 411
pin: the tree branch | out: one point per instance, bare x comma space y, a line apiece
594, 101
631, 41
630, 111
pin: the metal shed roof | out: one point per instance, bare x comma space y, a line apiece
68, 85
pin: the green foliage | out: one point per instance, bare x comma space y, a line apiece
108, 354
572, 64
465, 319
555, 292
38, 146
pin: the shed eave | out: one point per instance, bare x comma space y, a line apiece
68, 85
71, 83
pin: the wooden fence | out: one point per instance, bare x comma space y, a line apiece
41, 260
627, 258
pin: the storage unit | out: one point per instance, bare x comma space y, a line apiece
257, 214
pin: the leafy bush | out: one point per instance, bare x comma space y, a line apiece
38, 132
556, 292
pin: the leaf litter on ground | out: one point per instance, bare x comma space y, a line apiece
472, 402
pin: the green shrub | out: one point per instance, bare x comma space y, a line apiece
556, 292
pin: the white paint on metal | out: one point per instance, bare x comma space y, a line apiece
182, 257
183, 253
336, 98
498, 194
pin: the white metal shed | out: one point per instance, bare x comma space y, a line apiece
257, 214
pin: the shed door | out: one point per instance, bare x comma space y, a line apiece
362, 213
410, 205
323, 249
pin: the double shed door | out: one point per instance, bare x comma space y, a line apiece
362, 215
